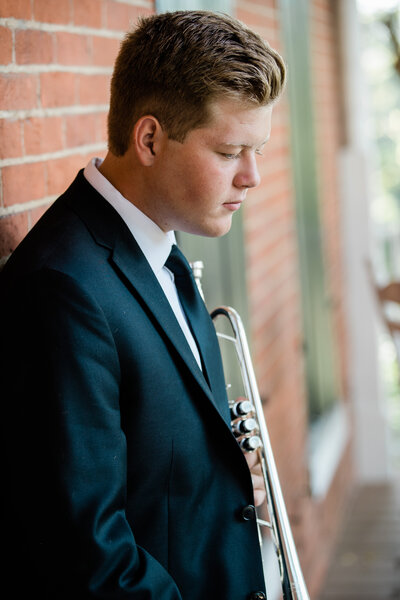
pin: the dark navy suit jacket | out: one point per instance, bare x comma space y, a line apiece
121, 478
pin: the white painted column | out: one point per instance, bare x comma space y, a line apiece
370, 428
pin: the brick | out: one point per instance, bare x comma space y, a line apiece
266, 5
17, 91
17, 9
57, 89
104, 50
101, 127
53, 11
259, 23
73, 49
13, 229
88, 13
123, 17
10, 139
33, 47
43, 135
94, 89
80, 129
23, 183
5, 46
62, 171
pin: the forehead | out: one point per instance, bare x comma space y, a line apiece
236, 122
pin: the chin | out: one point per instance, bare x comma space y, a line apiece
212, 229
219, 233
216, 229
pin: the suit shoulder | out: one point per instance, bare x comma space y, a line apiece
67, 234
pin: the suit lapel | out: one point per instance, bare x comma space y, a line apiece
110, 231
134, 266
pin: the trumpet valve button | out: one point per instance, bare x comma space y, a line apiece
244, 426
250, 443
248, 425
241, 408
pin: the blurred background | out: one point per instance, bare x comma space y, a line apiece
380, 47
311, 263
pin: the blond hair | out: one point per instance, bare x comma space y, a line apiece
174, 64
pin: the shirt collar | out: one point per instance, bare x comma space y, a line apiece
153, 241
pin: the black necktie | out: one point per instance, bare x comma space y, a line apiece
200, 324
197, 315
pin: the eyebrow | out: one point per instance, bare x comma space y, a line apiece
247, 145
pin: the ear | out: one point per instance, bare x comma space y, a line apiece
147, 135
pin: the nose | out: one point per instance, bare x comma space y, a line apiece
247, 175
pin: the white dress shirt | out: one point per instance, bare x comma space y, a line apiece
153, 242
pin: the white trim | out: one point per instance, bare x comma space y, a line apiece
356, 186
328, 439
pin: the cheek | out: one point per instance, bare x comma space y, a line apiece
218, 186
199, 182
202, 181
211, 179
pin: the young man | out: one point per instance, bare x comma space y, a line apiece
121, 476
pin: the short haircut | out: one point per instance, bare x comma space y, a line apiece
173, 65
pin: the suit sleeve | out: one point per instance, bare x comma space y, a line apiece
81, 539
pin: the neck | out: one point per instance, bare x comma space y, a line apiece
115, 169
127, 175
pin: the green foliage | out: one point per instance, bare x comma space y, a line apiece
380, 33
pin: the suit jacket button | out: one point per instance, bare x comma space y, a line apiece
257, 596
248, 513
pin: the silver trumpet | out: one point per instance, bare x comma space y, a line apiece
248, 423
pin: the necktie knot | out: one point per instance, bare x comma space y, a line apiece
177, 263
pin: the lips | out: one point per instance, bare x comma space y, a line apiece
233, 205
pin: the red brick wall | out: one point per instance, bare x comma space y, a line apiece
273, 284
274, 295
56, 60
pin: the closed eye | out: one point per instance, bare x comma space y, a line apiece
230, 156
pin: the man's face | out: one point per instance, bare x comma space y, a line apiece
196, 186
